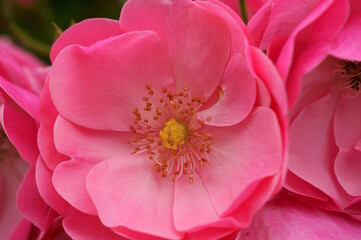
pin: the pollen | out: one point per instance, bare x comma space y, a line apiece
168, 132
174, 133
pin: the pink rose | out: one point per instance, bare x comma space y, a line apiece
319, 59
166, 123
21, 80
286, 218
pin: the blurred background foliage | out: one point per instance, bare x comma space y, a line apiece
35, 24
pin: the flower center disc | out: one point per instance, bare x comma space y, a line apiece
174, 133
168, 131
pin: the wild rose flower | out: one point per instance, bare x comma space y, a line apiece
287, 218
320, 62
164, 124
21, 80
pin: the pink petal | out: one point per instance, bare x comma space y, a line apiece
347, 170
286, 218
264, 69
12, 171
312, 147
83, 227
85, 33
79, 142
199, 65
300, 186
111, 77
48, 115
21, 130
28, 100
253, 6
308, 44
21, 56
193, 209
346, 124
29, 201
69, 181
21, 231
237, 95
315, 85
239, 34
277, 18
130, 234
266, 188
47, 190
240, 157
263, 96
347, 44
212, 232
131, 182
233, 4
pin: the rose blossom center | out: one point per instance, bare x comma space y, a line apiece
350, 74
174, 133
168, 131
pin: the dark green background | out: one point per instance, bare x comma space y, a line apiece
35, 22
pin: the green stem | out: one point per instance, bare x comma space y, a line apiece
242, 5
33, 44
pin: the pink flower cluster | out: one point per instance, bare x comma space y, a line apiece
178, 121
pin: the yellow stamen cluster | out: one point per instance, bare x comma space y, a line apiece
174, 133
168, 131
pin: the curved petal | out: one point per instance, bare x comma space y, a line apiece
309, 43
236, 97
297, 185
286, 218
192, 207
241, 155
265, 189
276, 18
21, 231
239, 34
47, 191
21, 130
12, 171
26, 99
199, 65
131, 182
268, 74
79, 142
48, 115
233, 4
312, 146
85, 33
69, 181
111, 77
347, 170
347, 44
29, 201
82, 226
21, 56
346, 124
